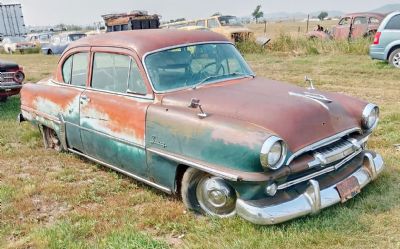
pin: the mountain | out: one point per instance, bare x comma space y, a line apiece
387, 8
298, 15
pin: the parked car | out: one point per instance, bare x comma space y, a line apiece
11, 78
59, 43
351, 26
39, 39
386, 45
183, 112
16, 43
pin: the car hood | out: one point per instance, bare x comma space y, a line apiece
7, 65
277, 107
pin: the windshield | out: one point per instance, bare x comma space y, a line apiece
192, 66
229, 21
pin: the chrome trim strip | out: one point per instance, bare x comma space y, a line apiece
310, 202
319, 173
108, 136
173, 47
321, 143
310, 98
199, 166
11, 87
41, 114
163, 188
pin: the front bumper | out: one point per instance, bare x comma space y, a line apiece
10, 87
312, 200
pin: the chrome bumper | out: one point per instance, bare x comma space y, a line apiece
10, 87
311, 201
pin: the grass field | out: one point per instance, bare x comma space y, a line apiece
51, 200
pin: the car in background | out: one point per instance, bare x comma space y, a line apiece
59, 43
11, 78
39, 39
183, 112
350, 26
386, 45
14, 44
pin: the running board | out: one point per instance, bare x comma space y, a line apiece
138, 178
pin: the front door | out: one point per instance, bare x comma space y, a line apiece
342, 30
113, 111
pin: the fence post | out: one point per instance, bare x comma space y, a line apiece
308, 21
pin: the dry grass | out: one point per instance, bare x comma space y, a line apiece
51, 200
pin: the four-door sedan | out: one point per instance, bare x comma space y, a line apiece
58, 43
386, 45
14, 44
183, 112
11, 78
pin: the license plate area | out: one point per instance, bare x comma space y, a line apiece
348, 188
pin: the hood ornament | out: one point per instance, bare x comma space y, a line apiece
195, 103
319, 98
310, 81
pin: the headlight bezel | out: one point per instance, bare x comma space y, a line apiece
366, 114
266, 149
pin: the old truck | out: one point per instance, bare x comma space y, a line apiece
183, 112
131, 21
350, 26
11, 78
11, 20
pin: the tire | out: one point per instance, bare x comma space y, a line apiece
51, 140
207, 194
3, 99
394, 58
49, 52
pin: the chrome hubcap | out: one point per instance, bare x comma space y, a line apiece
396, 60
216, 197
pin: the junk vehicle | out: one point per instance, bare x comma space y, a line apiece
131, 21
11, 78
11, 21
183, 112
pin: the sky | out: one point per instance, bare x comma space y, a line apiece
84, 12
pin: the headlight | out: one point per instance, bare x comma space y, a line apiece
370, 117
19, 76
273, 153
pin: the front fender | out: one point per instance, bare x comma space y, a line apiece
216, 140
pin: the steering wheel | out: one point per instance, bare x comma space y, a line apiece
202, 71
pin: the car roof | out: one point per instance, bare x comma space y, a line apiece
148, 40
366, 14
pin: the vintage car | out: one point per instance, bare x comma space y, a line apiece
11, 78
14, 44
183, 112
59, 43
351, 26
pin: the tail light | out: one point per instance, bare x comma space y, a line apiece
377, 37
19, 77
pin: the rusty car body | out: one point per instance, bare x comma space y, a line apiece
11, 78
351, 26
183, 112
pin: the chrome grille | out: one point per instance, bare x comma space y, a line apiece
336, 151
7, 77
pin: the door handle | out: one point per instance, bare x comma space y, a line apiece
84, 99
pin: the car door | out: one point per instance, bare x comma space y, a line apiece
359, 27
113, 111
342, 30
73, 77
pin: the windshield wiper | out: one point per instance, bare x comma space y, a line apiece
219, 76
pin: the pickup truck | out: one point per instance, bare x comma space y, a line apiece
11, 78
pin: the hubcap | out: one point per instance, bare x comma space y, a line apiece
216, 197
396, 60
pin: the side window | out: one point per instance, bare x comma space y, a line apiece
201, 23
110, 72
212, 23
79, 69
344, 21
360, 20
66, 70
135, 82
394, 23
373, 20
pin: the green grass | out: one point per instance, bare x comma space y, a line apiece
51, 200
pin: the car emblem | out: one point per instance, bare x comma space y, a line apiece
320, 99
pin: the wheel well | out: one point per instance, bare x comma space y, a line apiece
180, 171
391, 50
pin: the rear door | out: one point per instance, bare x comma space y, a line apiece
391, 31
359, 27
113, 111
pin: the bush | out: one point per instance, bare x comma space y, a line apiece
302, 45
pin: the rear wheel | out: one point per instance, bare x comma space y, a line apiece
207, 194
51, 139
394, 58
49, 52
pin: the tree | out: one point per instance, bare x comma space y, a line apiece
322, 15
257, 13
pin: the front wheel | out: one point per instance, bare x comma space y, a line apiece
207, 194
394, 58
51, 140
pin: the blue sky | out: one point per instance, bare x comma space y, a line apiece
47, 12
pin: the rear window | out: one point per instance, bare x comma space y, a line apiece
394, 23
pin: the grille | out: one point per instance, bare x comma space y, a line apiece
7, 77
336, 151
